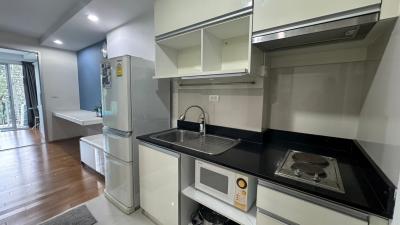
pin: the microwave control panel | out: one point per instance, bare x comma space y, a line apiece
241, 195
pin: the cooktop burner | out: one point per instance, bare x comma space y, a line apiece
302, 157
310, 169
313, 169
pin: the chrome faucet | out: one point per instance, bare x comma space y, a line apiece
203, 118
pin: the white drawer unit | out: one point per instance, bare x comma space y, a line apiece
264, 219
270, 14
171, 15
277, 208
92, 153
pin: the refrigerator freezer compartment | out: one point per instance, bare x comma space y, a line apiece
119, 145
119, 180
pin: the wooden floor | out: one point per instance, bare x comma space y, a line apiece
40, 181
19, 138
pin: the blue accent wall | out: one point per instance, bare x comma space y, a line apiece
89, 60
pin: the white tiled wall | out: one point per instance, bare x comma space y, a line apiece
241, 108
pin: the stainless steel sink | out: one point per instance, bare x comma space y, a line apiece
209, 144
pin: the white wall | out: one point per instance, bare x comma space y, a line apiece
318, 99
318, 90
134, 38
59, 76
379, 130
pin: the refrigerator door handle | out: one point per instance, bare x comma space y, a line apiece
116, 133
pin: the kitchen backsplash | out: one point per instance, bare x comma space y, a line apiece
240, 108
317, 99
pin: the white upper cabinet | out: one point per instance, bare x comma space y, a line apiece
270, 14
217, 49
171, 15
227, 46
179, 55
390, 9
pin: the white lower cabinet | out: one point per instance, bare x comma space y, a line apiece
92, 154
87, 154
159, 184
277, 208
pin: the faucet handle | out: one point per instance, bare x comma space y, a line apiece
203, 125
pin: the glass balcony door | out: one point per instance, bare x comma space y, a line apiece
6, 120
13, 111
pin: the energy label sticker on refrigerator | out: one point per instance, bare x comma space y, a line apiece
120, 71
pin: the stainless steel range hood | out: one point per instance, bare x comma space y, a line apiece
340, 30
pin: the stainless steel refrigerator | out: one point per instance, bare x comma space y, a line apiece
133, 104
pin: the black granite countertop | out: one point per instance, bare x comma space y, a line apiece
258, 154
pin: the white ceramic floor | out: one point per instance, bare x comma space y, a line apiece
107, 214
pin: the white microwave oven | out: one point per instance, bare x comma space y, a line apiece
227, 185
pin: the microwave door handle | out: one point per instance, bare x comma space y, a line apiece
276, 217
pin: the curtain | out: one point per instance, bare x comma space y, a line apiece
28, 70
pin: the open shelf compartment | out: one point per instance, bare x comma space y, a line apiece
178, 56
219, 49
232, 213
227, 46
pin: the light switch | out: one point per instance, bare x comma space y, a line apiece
213, 98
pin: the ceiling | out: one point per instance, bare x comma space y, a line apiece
33, 17
66, 20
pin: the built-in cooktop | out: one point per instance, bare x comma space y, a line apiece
317, 170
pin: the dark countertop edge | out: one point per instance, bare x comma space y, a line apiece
381, 183
255, 137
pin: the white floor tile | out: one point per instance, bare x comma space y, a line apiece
107, 214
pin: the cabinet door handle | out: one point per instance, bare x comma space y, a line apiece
276, 217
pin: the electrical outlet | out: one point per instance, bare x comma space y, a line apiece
213, 98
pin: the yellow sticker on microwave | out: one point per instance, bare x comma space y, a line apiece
119, 71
